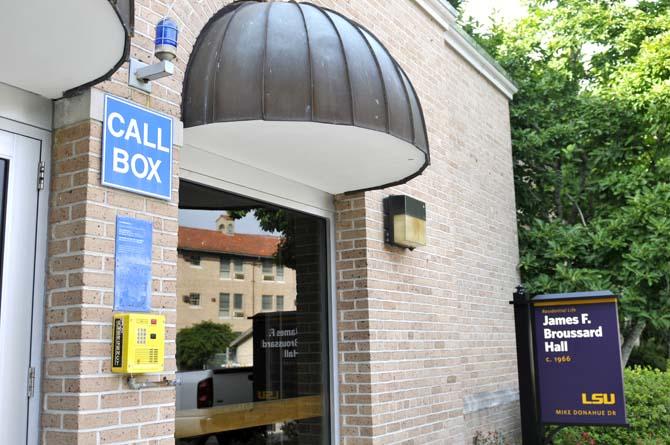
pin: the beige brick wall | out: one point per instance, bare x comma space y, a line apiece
83, 402
355, 334
418, 331
499, 419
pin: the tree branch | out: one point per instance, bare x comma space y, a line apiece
581, 215
632, 340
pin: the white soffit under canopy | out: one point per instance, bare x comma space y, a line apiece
51, 46
331, 158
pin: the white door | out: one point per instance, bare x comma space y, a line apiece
19, 166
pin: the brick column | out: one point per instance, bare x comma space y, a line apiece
83, 402
353, 324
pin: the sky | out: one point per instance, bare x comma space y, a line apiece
483, 9
206, 219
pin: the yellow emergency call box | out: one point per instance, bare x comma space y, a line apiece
138, 343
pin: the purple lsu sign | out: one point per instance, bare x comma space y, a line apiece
578, 360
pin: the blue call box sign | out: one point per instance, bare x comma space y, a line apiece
136, 149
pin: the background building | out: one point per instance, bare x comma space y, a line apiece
227, 277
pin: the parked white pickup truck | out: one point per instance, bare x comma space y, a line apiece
214, 387
211, 388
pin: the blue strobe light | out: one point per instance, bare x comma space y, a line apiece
166, 39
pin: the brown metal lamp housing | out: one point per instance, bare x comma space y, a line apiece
299, 91
404, 221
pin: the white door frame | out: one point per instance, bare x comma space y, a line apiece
19, 107
207, 168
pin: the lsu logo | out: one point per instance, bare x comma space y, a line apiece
599, 399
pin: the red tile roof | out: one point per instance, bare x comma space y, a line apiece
213, 241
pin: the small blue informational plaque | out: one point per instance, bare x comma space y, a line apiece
132, 270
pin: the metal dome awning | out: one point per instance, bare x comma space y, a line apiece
53, 47
305, 93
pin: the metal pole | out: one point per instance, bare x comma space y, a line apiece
531, 431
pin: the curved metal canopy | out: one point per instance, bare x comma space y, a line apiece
306, 93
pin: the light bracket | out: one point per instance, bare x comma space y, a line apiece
141, 74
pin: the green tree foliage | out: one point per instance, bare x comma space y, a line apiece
197, 344
653, 350
592, 150
455, 3
648, 409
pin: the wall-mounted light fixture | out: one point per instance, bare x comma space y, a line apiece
141, 74
404, 221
